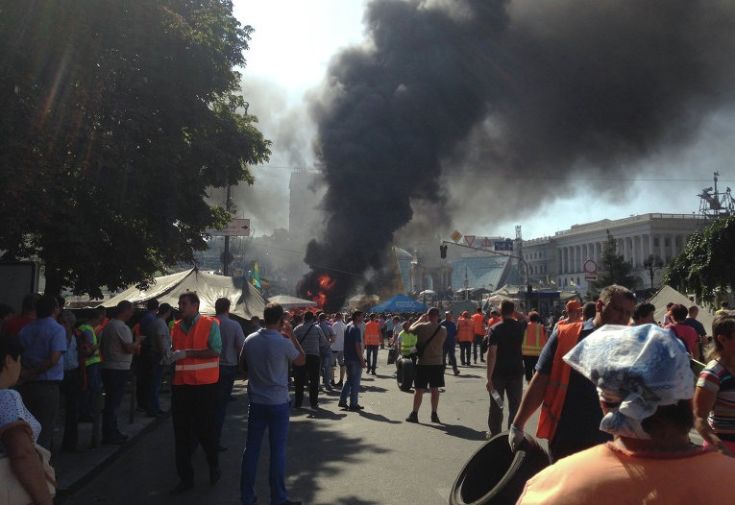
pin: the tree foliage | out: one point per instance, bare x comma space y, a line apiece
614, 268
116, 118
705, 267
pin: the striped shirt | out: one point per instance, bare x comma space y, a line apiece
718, 379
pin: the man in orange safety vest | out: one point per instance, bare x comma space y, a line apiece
570, 409
196, 344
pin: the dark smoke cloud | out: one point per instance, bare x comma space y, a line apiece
505, 91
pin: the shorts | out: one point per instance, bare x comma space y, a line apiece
338, 357
429, 376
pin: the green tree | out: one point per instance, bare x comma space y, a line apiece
614, 268
116, 118
705, 267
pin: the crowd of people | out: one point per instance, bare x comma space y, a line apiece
48, 355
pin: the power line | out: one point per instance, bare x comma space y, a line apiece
661, 178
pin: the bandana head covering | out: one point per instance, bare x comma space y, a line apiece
637, 367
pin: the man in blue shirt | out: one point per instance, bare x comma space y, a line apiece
451, 342
44, 343
268, 355
354, 362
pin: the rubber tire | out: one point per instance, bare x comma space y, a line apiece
405, 373
521, 466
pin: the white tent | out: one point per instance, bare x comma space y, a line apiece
668, 294
245, 302
291, 302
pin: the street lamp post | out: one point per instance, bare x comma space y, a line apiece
652, 263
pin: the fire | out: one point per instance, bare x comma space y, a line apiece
321, 299
326, 282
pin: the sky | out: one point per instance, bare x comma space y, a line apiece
289, 54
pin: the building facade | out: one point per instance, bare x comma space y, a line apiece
560, 259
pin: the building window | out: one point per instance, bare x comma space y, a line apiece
667, 242
655, 242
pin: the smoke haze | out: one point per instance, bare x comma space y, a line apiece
444, 94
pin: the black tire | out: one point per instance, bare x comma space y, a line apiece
405, 374
495, 475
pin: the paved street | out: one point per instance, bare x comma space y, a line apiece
336, 457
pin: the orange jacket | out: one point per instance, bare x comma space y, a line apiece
194, 371
556, 390
465, 331
372, 333
478, 324
534, 339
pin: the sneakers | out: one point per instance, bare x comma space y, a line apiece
456, 371
342, 405
355, 408
435, 418
413, 417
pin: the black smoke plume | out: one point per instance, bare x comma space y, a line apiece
514, 92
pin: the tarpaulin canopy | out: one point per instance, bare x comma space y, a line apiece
245, 302
400, 303
668, 294
291, 302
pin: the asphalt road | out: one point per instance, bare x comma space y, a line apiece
334, 457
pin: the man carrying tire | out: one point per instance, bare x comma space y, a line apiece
429, 370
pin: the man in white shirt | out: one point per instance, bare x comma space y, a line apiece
338, 348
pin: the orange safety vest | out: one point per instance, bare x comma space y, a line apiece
556, 390
372, 333
478, 324
534, 339
194, 371
465, 332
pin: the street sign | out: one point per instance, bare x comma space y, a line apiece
469, 240
504, 245
455, 236
238, 227
590, 270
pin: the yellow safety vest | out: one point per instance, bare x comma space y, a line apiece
408, 342
534, 339
95, 357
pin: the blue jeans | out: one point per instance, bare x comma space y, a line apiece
227, 376
114, 382
352, 384
89, 402
372, 357
154, 406
260, 417
326, 368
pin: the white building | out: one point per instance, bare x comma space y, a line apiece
560, 258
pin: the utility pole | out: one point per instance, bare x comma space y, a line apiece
466, 285
226, 254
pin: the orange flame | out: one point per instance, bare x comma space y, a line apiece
326, 282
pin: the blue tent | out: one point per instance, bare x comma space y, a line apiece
400, 303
